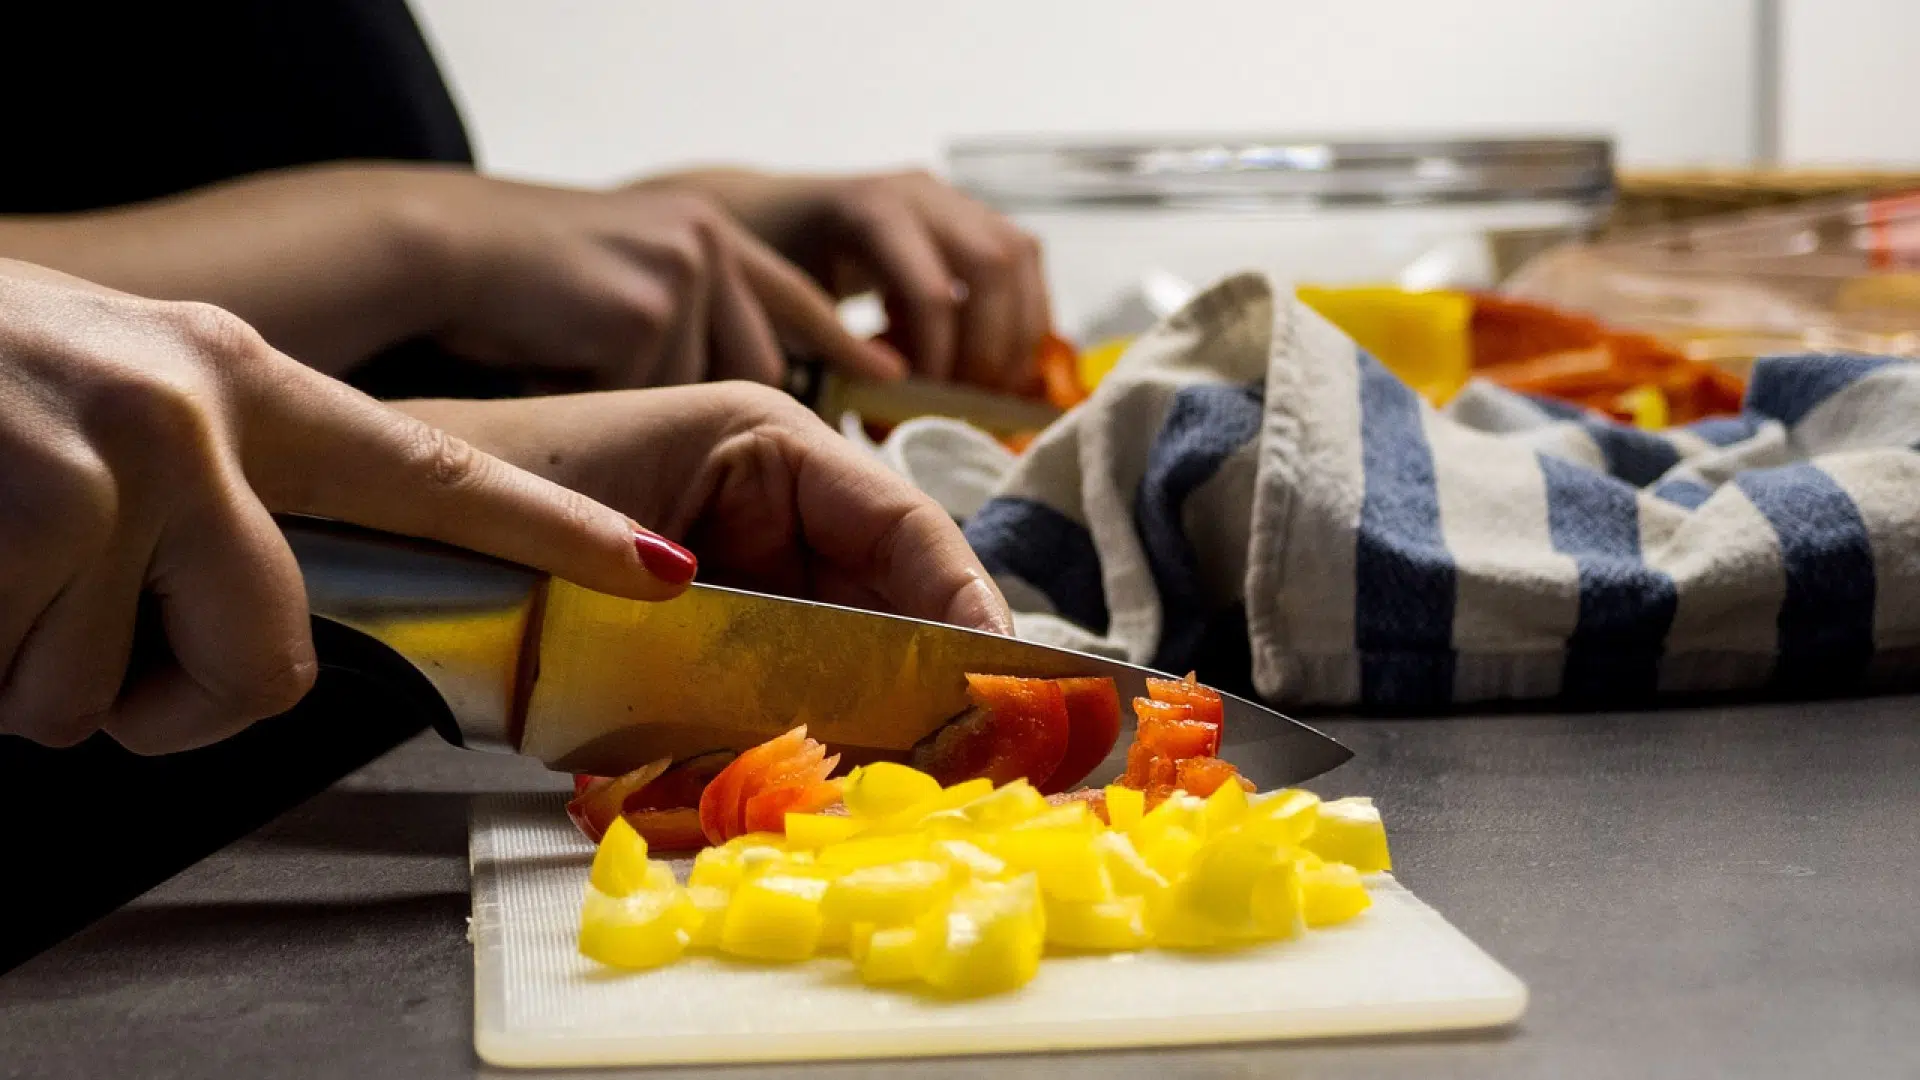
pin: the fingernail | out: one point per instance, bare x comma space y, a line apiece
665, 559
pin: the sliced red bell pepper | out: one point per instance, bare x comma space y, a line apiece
789, 760
598, 800
1203, 775
1093, 726
1171, 731
677, 829
1017, 728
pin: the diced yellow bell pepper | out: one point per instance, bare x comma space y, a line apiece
1224, 808
885, 956
1098, 925
1648, 406
1284, 818
814, 831
966, 860
620, 862
1423, 337
1349, 831
886, 787
1096, 362
774, 916
987, 939
1065, 860
1125, 806
1009, 804
948, 799
1130, 873
727, 866
892, 894
1168, 850
643, 929
710, 905
871, 850
1179, 809
1214, 903
1278, 900
1331, 893
1072, 817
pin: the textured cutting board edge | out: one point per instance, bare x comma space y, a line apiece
1501, 1006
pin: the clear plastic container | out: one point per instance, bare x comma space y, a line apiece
1117, 217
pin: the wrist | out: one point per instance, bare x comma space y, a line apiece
416, 209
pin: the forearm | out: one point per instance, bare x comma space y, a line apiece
330, 264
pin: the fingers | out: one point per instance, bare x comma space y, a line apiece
233, 609
916, 281
68, 670
330, 451
883, 534
744, 344
1006, 310
796, 306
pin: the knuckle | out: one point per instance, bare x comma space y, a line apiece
444, 461
990, 255
216, 330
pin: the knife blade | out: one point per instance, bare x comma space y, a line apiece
587, 682
832, 395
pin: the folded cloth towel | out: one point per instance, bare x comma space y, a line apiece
1249, 479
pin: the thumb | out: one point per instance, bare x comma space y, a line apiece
320, 447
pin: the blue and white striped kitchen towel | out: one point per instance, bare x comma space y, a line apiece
1249, 474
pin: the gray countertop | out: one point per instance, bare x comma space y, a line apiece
1708, 892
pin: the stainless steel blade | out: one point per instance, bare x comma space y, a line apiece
621, 683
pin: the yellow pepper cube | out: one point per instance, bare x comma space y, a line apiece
872, 850
815, 831
640, 930
1349, 831
1168, 850
1073, 817
1129, 871
889, 956
1278, 903
727, 866
620, 862
1221, 877
1009, 804
988, 939
966, 860
1068, 865
1224, 808
1098, 925
891, 894
948, 799
1284, 818
774, 916
709, 906
1331, 893
1178, 810
1125, 806
886, 787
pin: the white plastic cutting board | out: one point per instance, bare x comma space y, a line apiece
537, 1002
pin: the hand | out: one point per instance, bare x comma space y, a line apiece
143, 447
334, 263
766, 494
636, 287
913, 238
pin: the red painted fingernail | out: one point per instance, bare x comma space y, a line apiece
665, 559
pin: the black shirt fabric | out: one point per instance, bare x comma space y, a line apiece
112, 103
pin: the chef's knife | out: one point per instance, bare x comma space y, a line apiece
832, 395
587, 682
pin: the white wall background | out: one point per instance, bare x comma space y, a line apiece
596, 90
1849, 78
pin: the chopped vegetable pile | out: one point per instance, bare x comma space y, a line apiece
959, 889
